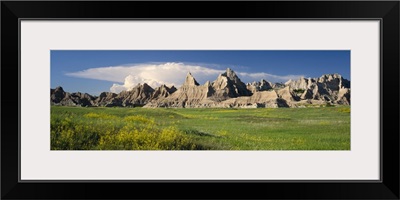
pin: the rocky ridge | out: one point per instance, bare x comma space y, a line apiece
226, 91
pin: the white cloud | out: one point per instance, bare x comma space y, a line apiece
269, 77
155, 74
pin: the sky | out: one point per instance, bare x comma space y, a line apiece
96, 71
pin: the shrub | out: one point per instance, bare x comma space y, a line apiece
299, 91
344, 110
147, 139
99, 116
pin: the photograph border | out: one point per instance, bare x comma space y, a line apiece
387, 187
173, 20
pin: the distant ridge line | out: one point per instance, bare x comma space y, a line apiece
227, 91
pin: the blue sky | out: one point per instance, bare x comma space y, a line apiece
97, 71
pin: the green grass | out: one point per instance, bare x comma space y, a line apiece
77, 128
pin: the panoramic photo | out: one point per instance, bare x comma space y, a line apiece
200, 100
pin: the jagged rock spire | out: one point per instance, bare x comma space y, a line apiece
232, 83
230, 74
190, 80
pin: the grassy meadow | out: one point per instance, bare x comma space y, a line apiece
98, 128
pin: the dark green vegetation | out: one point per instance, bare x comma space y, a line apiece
77, 128
299, 91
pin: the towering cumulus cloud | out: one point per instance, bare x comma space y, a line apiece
126, 77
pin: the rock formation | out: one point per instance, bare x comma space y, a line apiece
226, 91
137, 96
162, 92
59, 97
263, 85
189, 94
330, 88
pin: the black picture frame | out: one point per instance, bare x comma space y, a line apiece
386, 11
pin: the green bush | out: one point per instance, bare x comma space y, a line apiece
299, 91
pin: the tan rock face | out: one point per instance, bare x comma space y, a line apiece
286, 94
226, 91
329, 88
228, 85
343, 96
190, 94
162, 92
190, 81
107, 99
302, 83
139, 95
263, 85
